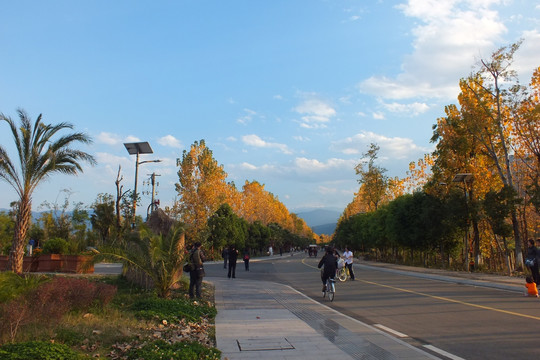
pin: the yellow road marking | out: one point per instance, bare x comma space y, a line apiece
443, 298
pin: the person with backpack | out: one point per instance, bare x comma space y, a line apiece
197, 271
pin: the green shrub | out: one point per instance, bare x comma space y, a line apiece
181, 350
69, 336
172, 309
55, 246
39, 350
13, 285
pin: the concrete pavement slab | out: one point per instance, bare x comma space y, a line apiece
266, 320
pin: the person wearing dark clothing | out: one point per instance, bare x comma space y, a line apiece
532, 260
538, 252
233, 256
246, 259
197, 273
225, 255
329, 261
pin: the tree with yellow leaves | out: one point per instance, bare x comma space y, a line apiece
486, 104
201, 189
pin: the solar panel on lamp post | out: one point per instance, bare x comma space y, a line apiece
136, 149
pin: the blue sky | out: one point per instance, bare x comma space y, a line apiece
286, 92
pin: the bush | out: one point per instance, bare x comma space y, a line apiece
39, 350
48, 303
55, 246
69, 337
13, 285
181, 350
171, 309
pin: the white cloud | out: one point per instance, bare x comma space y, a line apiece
278, 97
247, 117
324, 190
301, 138
415, 108
316, 112
256, 141
171, 141
108, 138
448, 37
131, 138
305, 165
107, 159
526, 58
378, 116
248, 166
390, 147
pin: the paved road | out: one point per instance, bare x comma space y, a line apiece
464, 321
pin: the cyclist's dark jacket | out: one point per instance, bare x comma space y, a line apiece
330, 264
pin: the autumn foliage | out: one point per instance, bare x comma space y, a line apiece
493, 135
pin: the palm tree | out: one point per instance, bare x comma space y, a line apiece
39, 156
159, 256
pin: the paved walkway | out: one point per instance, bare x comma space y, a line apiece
266, 320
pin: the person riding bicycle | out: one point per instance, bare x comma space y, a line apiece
329, 261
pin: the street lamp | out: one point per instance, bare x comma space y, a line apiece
136, 149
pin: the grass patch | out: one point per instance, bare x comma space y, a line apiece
134, 322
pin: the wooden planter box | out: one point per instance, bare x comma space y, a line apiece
49, 263
79, 264
30, 264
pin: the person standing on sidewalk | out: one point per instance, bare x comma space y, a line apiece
225, 254
246, 259
197, 271
532, 260
348, 255
233, 256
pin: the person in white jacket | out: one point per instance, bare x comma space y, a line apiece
348, 255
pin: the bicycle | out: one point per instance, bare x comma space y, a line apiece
330, 289
343, 274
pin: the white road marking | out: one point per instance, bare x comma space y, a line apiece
392, 331
442, 352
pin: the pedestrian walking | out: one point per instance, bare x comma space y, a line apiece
246, 259
348, 255
531, 261
197, 271
225, 254
233, 256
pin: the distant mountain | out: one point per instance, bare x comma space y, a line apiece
326, 229
322, 221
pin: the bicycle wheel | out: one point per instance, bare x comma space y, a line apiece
332, 291
342, 274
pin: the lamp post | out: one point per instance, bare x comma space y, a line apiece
136, 149
465, 178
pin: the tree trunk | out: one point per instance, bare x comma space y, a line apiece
22, 224
517, 241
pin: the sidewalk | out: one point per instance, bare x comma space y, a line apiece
266, 320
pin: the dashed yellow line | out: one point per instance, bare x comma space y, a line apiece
443, 298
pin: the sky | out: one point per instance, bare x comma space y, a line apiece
289, 93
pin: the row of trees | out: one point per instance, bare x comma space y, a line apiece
259, 218
202, 192
492, 139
